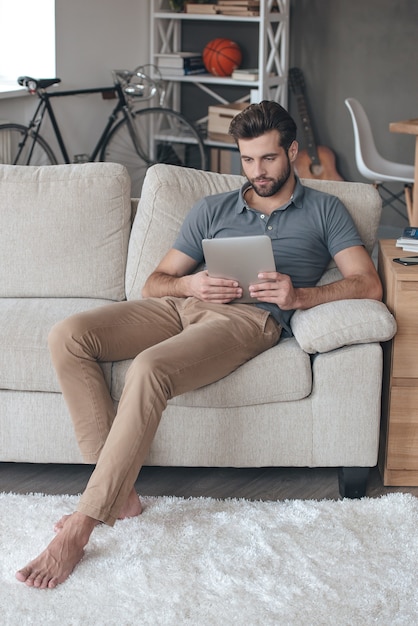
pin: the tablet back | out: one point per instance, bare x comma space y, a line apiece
239, 258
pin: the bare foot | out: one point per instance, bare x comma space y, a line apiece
132, 507
58, 560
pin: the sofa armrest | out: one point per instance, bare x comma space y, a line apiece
342, 323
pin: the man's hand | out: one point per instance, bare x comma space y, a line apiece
175, 276
215, 290
276, 288
360, 280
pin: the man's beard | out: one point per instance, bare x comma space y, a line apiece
275, 184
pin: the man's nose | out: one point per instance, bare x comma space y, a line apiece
259, 168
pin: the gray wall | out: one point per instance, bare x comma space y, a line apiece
366, 49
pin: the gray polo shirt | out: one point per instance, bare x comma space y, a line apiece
305, 233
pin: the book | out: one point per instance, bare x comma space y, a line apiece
407, 241
179, 54
249, 4
408, 248
243, 74
201, 8
179, 59
186, 67
181, 71
409, 244
239, 13
410, 231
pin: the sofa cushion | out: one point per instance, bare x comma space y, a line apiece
169, 192
280, 374
342, 323
25, 363
64, 230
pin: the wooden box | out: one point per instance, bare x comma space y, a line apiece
220, 117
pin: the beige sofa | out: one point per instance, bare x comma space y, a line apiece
66, 245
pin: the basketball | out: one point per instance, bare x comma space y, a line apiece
222, 56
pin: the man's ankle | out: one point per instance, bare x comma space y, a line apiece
82, 524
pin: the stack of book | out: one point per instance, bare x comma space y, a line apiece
181, 63
206, 8
245, 74
409, 239
239, 8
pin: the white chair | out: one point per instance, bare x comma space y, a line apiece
372, 165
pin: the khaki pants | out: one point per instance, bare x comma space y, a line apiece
176, 345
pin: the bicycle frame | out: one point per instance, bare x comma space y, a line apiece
135, 137
46, 106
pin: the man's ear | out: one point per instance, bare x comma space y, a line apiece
293, 151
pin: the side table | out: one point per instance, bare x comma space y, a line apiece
398, 456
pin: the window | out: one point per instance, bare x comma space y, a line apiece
27, 40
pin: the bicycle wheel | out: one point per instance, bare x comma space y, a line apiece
158, 135
18, 146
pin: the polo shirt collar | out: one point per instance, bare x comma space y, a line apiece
297, 197
298, 194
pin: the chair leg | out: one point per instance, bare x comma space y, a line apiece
352, 481
408, 200
391, 198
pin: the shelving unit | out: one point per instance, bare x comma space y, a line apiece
273, 42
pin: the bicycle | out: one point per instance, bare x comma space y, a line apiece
136, 138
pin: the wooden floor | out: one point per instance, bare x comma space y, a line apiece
252, 484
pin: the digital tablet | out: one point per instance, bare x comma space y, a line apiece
239, 258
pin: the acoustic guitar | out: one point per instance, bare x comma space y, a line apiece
314, 161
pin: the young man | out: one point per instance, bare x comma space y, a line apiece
185, 333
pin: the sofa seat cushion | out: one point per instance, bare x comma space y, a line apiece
25, 323
282, 373
64, 230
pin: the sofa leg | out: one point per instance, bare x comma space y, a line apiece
352, 481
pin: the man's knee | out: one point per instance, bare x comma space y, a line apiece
151, 368
62, 334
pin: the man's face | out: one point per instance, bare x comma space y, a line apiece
265, 163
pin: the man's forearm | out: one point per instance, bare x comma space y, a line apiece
353, 287
160, 284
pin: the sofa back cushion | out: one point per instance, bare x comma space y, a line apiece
170, 191
64, 230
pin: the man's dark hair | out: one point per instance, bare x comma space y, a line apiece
258, 119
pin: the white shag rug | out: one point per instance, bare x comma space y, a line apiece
206, 562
